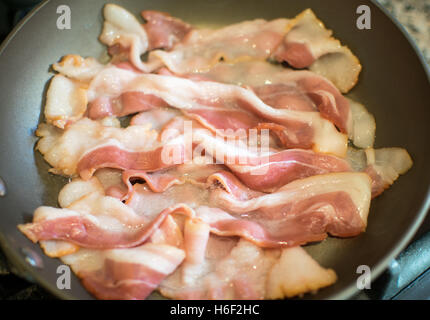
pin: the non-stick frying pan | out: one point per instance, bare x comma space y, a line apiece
394, 85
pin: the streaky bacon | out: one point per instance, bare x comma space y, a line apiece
300, 212
96, 230
308, 43
329, 201
201, 49
291, 90
87, 145
262, 172
210, 102
285, 88
267, 170
286, 166
112, 156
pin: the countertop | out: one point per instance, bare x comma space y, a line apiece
414, 15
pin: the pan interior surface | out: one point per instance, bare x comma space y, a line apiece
393, 86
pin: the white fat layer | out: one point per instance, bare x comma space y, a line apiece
158, 257
66, 101
78, 68
364, 125
77, 189
295, 273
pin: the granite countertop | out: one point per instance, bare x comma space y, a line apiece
414, 15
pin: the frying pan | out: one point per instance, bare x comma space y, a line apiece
394, 85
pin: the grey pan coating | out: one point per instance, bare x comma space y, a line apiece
394, 85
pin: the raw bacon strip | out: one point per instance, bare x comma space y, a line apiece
94, 220
163, 30
336, 203
287, 89
267, 170
125, 273
63, 149
209, 102
286, 166
262, 172
203, 48
66, 101
119, 274
309, 44
382, 165
78, 68
114, 156
97, 222
124, 34
70, 193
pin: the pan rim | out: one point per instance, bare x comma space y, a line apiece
21, 267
